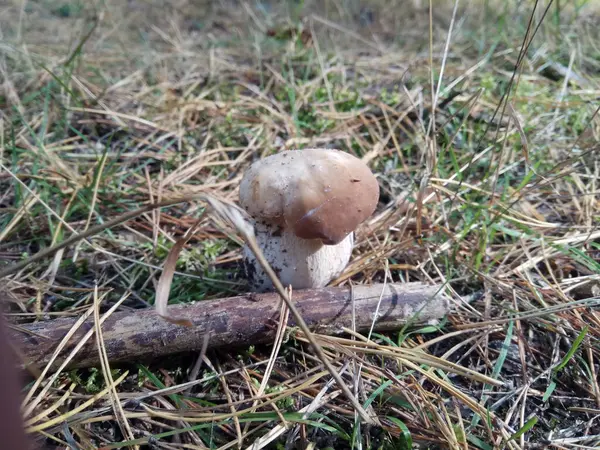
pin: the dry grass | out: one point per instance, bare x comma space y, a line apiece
489, 171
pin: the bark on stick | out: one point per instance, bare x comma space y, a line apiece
130, 336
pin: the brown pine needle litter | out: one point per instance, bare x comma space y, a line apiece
126, 127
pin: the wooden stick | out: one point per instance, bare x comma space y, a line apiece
235, 321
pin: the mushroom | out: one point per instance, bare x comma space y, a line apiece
305, 206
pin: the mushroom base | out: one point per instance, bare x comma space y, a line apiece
301, 263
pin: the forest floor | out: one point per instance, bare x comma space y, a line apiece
486, 114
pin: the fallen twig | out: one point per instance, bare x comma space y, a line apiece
235, 321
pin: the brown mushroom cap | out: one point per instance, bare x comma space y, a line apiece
318, 193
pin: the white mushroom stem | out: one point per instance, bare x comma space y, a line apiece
301, 263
